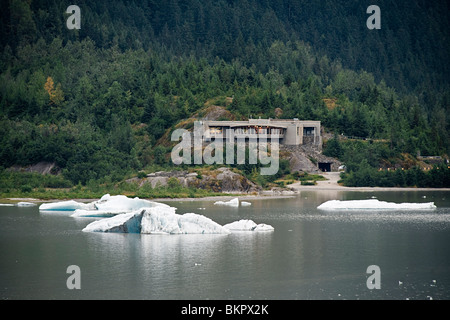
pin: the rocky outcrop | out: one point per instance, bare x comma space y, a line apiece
234, 182
307, 158
40, 167
219, 180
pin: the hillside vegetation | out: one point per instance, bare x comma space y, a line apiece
96, 101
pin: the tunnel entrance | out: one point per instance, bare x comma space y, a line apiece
325, 166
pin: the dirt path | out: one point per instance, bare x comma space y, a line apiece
330, 183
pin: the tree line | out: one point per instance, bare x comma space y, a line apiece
97, 100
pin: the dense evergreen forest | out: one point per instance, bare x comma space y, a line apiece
96, 100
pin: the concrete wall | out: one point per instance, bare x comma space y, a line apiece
293, 134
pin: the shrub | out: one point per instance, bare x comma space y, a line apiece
26, 188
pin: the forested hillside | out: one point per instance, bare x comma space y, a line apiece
96, 100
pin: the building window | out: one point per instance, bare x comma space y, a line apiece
215, 130
308, 131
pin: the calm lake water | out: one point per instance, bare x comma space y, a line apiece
310, 255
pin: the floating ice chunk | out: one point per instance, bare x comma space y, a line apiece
70, 205
107, 206
161, 221
143, 216
232, 203
18, 204
121, 203
122, 223
112, 205
241, 225
25, 204
165, 221
247, 225
374, 204
263, 227
157, 220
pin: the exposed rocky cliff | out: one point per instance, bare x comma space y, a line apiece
40, 167
219, 180
307, 158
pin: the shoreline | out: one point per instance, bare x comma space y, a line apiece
332, 184
295, 191
290, 191
364, 189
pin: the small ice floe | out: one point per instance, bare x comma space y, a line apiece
69, 205
374, 204
18, 204
232, 203
157, 220
106, 206
247, 225
25, 204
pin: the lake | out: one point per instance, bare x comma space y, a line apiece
311, 254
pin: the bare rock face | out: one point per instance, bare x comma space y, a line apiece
234, 182
304, 158
40, 167
220, 180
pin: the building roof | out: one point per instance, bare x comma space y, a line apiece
261, 125
277, 123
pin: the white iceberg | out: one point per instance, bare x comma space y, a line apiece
123, 223
233, 203
247, 225
70, 205
374, 204
114, 205
122, 203
107, 206
18, 204
25, 204
157, 220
